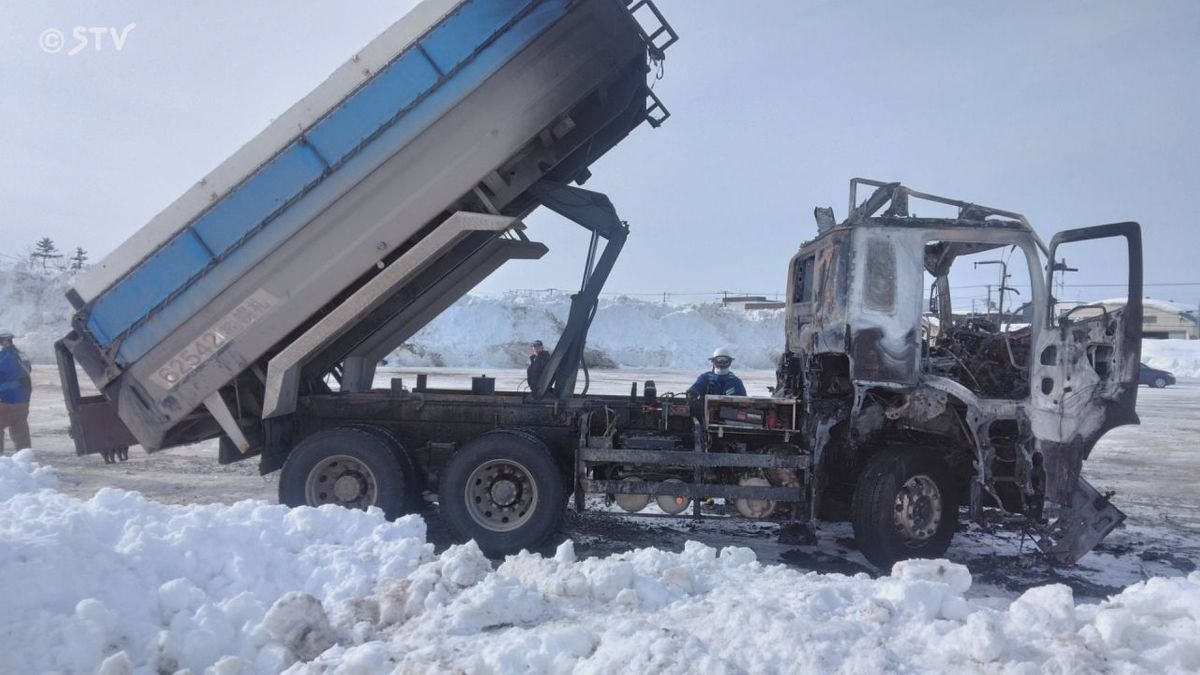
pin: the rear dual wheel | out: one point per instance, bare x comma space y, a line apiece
504, 490
354, 467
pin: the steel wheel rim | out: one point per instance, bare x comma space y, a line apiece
501, 495
342, 480
917, 512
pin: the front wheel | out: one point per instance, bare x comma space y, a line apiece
905, 506
1159, 382
503, 490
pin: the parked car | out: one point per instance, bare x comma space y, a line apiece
1154, 377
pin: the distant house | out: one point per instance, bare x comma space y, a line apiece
1161, 319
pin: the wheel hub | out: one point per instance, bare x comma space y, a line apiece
505, 492
500, 495
341, 480
348, 487
918, 509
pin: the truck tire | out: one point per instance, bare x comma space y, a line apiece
504, 490
564, 470
905, 506
415, 484
348, 466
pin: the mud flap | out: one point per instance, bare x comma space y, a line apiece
1081, 526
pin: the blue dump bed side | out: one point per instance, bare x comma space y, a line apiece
460, 107
220, 244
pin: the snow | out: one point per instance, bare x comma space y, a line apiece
495, 332
1181, 357
34, 307
119, 584
1161, 305
177, 586
479, 331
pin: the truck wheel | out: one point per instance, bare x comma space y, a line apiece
503, 490
415, 484
350, 467
905, 506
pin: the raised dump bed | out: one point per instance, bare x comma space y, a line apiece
458, 108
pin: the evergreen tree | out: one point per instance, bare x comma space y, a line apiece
46, 250
79, 258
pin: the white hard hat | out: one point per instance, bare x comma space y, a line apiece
5, 335
720, 352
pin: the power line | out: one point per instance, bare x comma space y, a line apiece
1169, 283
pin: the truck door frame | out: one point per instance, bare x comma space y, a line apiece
1075, 357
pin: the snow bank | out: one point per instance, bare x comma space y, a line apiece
33, 305
496, 332
1181, 357
117, 584
178, 587
479, 331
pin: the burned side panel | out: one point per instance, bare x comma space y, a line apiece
884, 306
816, 318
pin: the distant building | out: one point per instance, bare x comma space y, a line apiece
748, 302
1161, 319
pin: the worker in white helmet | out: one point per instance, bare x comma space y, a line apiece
720, 380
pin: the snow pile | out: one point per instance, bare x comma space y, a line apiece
490, 332
479, 331
1181, 357
175, 587
34, 307
118, 584
496, 332
704, 610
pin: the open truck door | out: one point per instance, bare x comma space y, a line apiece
1084, 383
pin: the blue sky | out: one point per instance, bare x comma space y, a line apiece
1072, 113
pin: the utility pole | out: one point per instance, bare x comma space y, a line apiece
1004, 287
1061, 280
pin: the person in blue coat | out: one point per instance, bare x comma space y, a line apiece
719, 381
15, 387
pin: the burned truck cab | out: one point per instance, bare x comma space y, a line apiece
936, 370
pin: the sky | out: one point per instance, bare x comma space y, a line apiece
1074, 114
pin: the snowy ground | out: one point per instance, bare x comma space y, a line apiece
165, 584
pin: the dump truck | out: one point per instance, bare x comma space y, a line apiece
255, 308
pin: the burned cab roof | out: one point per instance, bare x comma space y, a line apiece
889, 206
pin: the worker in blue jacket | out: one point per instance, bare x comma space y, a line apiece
719, 381
15, 387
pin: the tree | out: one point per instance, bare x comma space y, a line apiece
46, 250
79, 258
